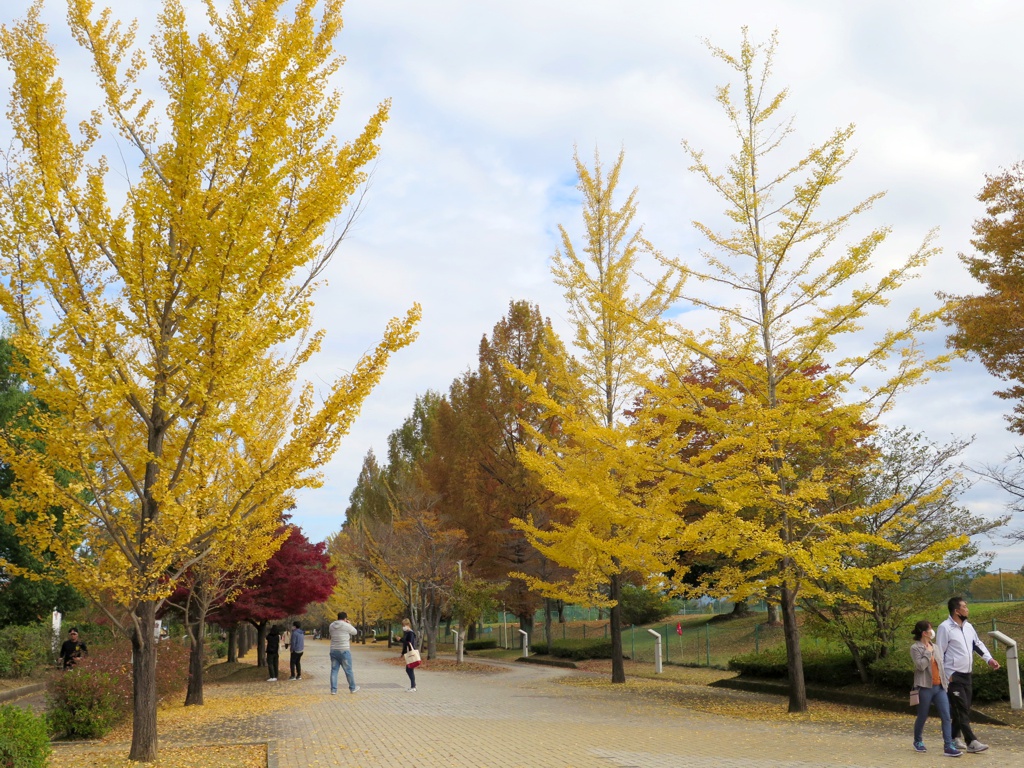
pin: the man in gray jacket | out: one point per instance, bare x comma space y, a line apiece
297, 641
341, 654
957, 641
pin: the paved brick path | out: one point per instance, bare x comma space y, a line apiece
519, 718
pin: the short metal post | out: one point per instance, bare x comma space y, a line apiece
657, 651
1012, 668
526, 642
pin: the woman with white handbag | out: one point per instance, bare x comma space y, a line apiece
930, 686
412, 656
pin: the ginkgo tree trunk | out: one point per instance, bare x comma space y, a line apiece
144, 319
791, 407
589, 463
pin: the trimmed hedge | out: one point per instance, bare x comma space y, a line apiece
832, 668
480, 645
896, 672
577, 650
24, 740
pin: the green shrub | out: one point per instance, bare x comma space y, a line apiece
89, 700
769, 663
642, 606
219, 648
577, 650
896, 672
24, 741
832, 669
481, 645
24, 649
86, 704
824, 667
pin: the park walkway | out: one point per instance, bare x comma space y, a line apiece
520, 717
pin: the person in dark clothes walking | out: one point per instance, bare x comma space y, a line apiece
408, 644
273, 645
297, 641
72, 649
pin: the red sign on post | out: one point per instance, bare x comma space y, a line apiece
679, 628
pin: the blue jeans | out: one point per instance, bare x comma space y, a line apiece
936, 694
343, 659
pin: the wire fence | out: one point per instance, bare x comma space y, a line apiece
705, 644
1011, 628
689, 641
690, 638
572, 613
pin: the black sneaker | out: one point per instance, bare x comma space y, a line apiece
919, 746
951, 752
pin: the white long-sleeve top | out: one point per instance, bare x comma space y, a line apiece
341, 634
956, 643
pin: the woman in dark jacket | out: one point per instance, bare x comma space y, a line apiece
408, 644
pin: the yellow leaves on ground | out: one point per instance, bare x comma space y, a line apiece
739, 704
232, 756
210, 726
451, 665
216, 718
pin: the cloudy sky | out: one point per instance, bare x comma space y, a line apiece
489, 100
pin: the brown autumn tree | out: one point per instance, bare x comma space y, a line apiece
475, 465
988, 324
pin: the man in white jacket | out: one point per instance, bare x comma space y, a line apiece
341, 654
957, 641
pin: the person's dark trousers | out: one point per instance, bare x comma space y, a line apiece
295, 664
960, 693
272, 664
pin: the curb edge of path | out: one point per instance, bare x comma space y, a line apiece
25, 690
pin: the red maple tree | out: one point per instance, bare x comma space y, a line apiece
299, 574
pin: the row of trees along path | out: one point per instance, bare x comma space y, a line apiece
732, 450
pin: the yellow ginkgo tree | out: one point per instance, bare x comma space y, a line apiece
143, 319
594, 461
773, 431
